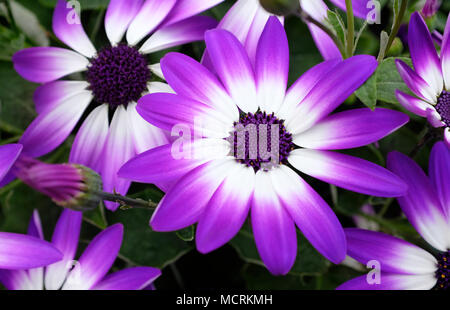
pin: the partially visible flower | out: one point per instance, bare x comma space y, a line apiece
115, 77
70, 186
437, 37
89, 272
430, 8
427, 207
219, 190
318, 10
430, 79
246, 21
8, 156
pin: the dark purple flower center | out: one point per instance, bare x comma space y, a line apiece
443, 107
118, 75
443, 272
261, 141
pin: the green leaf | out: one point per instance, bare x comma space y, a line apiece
368, 92
96, 217
27, 21
145, 247
186, 234
389, 80
309, 261
337, 25
16, 100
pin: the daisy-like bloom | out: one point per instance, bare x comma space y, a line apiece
430, 79
20, 251
115, 77
219, 187
318, 10
89, 272
69, 185
427, 207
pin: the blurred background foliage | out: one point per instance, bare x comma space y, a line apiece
26, 23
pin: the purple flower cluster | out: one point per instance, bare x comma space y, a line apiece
250, 143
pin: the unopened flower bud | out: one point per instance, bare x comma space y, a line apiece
70, 186
280, 7
430, 8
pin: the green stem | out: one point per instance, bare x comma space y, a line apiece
351, 28
127, 202
309, 19
397, 24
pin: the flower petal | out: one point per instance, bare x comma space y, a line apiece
273, 227
145, 135
50, 95
190, 79
272, 66
439, 172
96, 260
170, 112
149, 17
417, 85
135, 278
67, 27
188, 8
227, 210
393, 254
351, 129
46, 64
162, 164
318, 10
65, 238
421, 204
50, 129
185, 31
412, 104
301, 88
348, 172
19, 251
445, 55
423, 53
233, 66
256, 29
341, 82
8, 155
185, 202
118, 150
392, 282
119, 16
90, 140
361, 8
311, 213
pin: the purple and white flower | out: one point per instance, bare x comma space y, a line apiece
219, 189
427, 207
115, 78
430, 79
318, 10
89, 272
